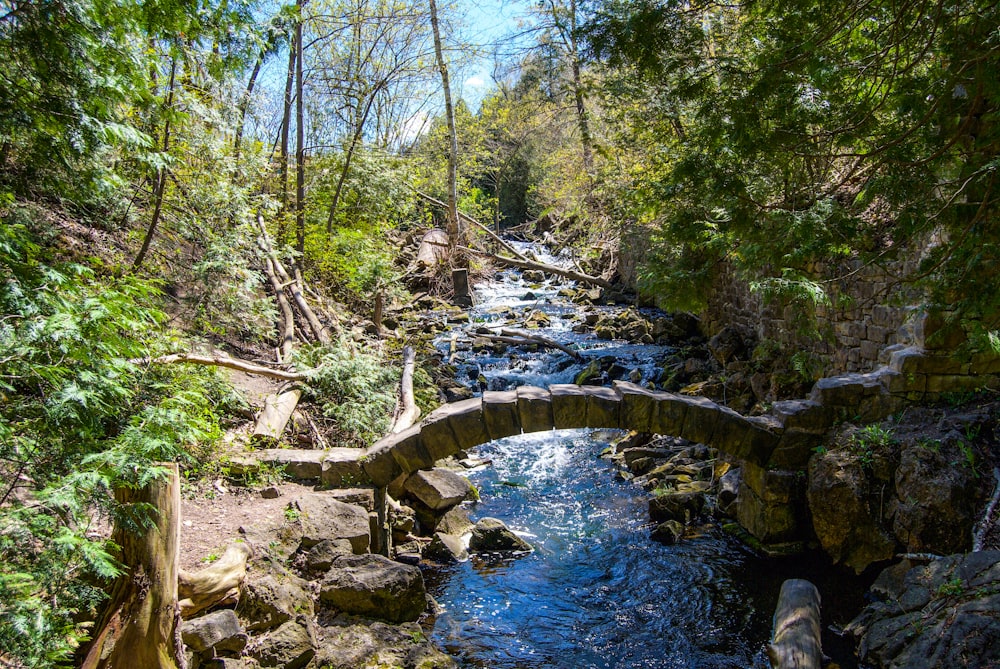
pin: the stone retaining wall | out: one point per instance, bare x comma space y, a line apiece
864, 316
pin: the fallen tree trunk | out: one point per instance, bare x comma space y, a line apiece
409, 411
795, 641
222, 361
549, 269
287, 317
465, 217
520, 337
138, 627
979, 536
273, 419
217, 585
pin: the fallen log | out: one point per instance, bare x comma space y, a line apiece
409, 411
465, 217
521, 338
222, 361
979, 536
138, 627
274, 417
549, 269
216, 585
287, 317
795, 640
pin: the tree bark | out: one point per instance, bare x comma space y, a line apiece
278, 410
287, 317
795, 641
300, 153
520, 337
244, 105
161, 177
217, 585
222, 361
550, 269
409, 411
454, 229
286, 121
507, 247
138, 627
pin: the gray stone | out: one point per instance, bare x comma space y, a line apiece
322, 556
569, 406
455, 522
603, 407
668, 532
439, 489
322, 517
942, 614
349, 643
290, 646
679, 506
379, 462
299, 463
500, 414
446, 548
493, 536
219, 630
341, 468
847, 527
534, 408
273, 599
375, 587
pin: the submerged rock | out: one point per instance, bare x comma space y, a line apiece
492, 536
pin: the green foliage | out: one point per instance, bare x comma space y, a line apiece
77, 418
357, 390
772, 135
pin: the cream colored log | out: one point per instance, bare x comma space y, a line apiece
274, 418
217, 585
795, 640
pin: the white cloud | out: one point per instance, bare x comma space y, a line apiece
475, 81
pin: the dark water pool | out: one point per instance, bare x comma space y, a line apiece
597, 592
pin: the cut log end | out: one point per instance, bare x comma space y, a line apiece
796, 641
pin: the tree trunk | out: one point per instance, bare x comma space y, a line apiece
286, 121
454, 229
217, 585
349, 157
795, 641
581, 109
245, 104
550, 269
161, 177
409, 411
278, 410
300, 153
138, 627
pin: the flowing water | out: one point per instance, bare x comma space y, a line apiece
596, 591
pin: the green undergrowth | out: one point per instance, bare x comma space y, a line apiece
80, 415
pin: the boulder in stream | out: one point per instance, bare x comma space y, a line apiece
376, 587
492, 536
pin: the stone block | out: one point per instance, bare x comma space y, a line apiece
603, 407
768, 523
699, 419
907, 360
468, 423
937, 331
882, 315
945, 383
342, 467
500, 414
761, 435
669, 416
439, 489
794, 449
379, 462
436, 434
320, 517
839, 391
534, 407
885, 355
410, 453
879, 335
985, 363
870, 350
569, 406
299, 463
941, 364
218, 630
638, 406
802, 414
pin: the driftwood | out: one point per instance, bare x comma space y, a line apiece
294, 285
222, 361
217, 585
549, 269
274, 417
795, 641
138, 627
979, 537
520, 338
287, 317
409, 411
465, 217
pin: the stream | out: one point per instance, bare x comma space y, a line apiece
597, 591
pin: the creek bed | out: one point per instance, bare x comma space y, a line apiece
597, 591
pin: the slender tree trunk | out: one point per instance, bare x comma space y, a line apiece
286, 120
349, 156
245, 104
300, 154
581, 109
161, 176
453, 221
138, 627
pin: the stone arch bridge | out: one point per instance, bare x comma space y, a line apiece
767, 441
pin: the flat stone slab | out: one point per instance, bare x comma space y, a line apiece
342, 468
321, 516
439, 489
299, 463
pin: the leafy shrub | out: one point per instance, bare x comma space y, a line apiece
79, 416
355, 389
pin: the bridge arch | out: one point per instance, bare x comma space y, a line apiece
462, 425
